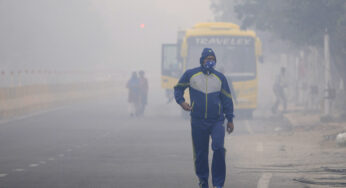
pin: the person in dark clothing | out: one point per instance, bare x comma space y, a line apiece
144, 87
211, 102
279, 91
133, 86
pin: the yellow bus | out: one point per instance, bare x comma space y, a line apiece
237, 52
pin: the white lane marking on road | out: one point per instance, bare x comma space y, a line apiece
51, 159
3, 175
61, 155
34, 165
30, 115
43, 162
263, 182
259, 147
19, 170
247, 125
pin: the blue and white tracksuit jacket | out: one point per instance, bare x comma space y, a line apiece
211, 102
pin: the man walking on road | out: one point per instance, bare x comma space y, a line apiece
279, 91
211, 102
143, 83
133, 97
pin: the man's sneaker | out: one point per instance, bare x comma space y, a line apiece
217, 187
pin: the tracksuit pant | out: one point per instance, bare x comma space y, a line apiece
201, 131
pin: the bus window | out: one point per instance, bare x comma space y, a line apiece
170, 64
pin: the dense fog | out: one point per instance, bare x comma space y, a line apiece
65, 69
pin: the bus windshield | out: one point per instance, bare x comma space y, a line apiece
235, 56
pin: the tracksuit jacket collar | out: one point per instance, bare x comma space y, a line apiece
205, 71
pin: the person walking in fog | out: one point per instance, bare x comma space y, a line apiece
210, 102
279, 91
143, 83
133, 86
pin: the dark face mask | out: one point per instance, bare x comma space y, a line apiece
209, 65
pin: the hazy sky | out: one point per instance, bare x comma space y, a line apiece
93, 33
161, 19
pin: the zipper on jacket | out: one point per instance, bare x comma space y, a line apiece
193, 102
219, 108
206, 98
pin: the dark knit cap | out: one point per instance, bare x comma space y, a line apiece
205, 53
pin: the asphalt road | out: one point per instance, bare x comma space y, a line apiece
98, 145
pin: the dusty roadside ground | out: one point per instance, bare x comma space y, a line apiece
295, 149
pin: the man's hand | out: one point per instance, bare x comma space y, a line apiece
230, 127
186, 106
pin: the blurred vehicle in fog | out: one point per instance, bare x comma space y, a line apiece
238, 53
